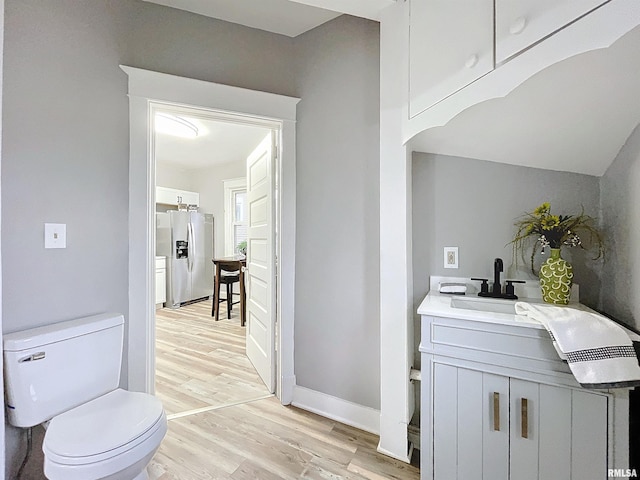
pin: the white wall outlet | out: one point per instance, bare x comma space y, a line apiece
450, 257
55, 235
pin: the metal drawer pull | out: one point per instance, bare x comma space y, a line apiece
496, 411
524, 405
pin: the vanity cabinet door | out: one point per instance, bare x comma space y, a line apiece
470, 424
521, 23
556, 432
589, 435
492, 426
450, 46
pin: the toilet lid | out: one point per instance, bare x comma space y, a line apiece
103, 424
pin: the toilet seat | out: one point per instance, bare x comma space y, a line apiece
103, 428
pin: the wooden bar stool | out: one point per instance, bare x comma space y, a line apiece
228, 272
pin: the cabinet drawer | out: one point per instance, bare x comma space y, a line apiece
524, 348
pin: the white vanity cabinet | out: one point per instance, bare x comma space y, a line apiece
465, 34
507, 428
497, 402
522, 23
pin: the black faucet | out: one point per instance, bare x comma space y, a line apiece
496, 289
498, 267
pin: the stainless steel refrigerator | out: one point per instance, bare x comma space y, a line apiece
186, 239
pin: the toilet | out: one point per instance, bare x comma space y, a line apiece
66, 375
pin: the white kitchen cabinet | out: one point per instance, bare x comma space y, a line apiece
480, 371
522, 23
172, 196
449, 47
161, 281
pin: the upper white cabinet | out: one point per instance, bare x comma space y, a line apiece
450, 65
521, 23
172, 196
449, 47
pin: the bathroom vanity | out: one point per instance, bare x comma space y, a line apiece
497, 402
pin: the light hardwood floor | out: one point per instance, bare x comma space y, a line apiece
239, 434
201, 363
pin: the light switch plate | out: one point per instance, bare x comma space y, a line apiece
55, 235
450, 257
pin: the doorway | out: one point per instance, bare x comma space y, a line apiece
147, 88
202, 163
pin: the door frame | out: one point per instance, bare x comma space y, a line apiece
146, 90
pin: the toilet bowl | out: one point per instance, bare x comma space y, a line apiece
68, 374
111, 437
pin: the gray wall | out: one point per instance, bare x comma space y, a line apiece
65, 160
620, 188
66, 136
337, 318
66, 139
472, 204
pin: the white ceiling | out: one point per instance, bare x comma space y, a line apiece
574, 116
277, 16
286, 17
217, 143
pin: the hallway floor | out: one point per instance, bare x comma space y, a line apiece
223, 424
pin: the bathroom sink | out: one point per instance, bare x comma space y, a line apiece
484, 305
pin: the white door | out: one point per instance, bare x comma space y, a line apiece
259, 274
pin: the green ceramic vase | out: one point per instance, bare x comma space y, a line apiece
556, 278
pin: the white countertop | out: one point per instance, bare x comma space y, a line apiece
438, 304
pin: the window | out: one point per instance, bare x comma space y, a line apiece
239, 218
235, 214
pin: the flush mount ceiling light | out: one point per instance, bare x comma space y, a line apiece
173, 125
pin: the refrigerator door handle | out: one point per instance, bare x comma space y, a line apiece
190, 246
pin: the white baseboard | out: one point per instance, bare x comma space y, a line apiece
343, 411
288, 387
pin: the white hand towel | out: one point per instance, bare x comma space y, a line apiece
599, 352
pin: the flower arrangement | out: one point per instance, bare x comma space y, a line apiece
555, 231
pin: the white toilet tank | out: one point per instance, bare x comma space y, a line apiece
51, 369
